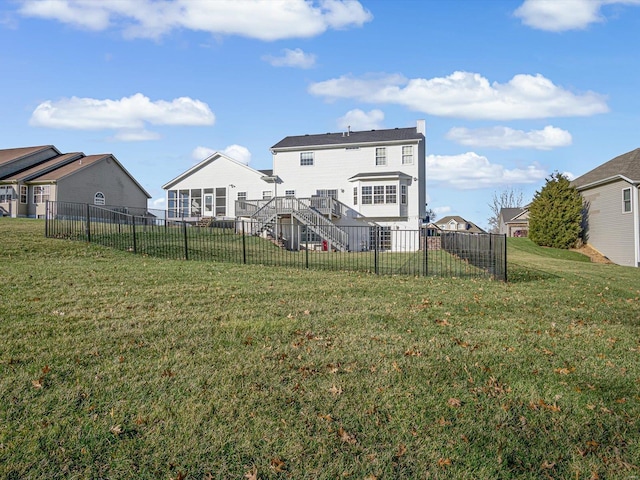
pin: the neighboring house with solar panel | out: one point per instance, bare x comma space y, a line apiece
612, 213
329, 181
30, 176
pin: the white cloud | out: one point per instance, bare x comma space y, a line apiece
292, 58
505, 138
264, 20
469, 171
569, 175
159, 202
200, 153
237, 152
441, 211
128, 115
467, 95
557, 16
360, 120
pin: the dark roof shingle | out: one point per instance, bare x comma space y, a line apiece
626, 165
344, 138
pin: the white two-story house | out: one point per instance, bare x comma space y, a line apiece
332, 182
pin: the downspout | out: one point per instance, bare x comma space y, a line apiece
636, 222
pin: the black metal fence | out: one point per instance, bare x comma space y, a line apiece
370, 248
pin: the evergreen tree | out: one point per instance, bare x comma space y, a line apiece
555, 214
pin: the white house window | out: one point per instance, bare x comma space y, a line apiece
172, 203
6, 194
381, 155
390, 192
367, 195
333, 193
267, 194
183, 203
40, 194
626, 200
98, 199
407, 155
403, 194
23, 194
306, 158
289, 193
221, 201
196, 202
242, 195
355, 195
378, 194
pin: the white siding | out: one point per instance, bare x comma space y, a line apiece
609, 230
332, 168
226, 173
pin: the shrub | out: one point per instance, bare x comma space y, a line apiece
555, 214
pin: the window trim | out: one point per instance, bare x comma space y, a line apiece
627, 205
307, 159
407, 156
381, 156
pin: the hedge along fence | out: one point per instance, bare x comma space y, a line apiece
371, 249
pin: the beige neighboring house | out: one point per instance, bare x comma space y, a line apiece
455, 223
30, 176
612, 216
514, 222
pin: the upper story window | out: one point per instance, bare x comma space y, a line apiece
381, 155
407, 155
242, 195
40, 194
626, 200
267, 194
306, 158
289, 193
98, 199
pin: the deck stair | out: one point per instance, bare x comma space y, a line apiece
304, 211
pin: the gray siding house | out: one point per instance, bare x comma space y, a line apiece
612, 217
30, 176
514, 222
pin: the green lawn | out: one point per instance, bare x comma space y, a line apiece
116, 365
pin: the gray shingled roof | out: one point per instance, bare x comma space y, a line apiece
342, 138
508, 214
626, 165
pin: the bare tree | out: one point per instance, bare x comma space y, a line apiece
508, 198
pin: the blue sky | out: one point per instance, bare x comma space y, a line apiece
511, 90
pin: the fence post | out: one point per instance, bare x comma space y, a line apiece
88, 224
186, 245
133, 229
244, 245
426, 251
375, 250
306, 248
504, 264
46, 218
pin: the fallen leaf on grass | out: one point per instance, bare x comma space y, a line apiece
116, 430
252, 474
335, 390
277, 465
444, 462
402, 449
37, 383
547, 465
454, 402
565, 371
346, 437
